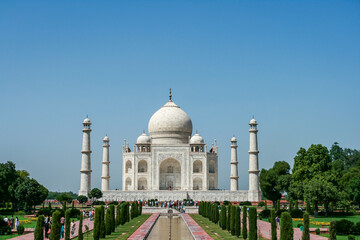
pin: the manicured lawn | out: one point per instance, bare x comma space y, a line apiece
338, 237
26, 222
123, 231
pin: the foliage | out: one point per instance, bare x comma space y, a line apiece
232, 220
82, 199
332, 231
4, 227
114, 203
64, 198
80, 233
95, 193
244, 224
97, 223
261, 204
265, 213
108, 222
306, 231
118, 215
55, 226
98, 203
20, 229
252, 223
273, 225
112, 215
317, 231
102, 222
286, 228
344, 227
67, 224
275, 181
245, 203
39, 229
296, 213
222, 222
237, 221
53, 195
30, 191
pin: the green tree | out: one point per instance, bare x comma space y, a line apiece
82, 199
112, 214
97, 223
252, 223
64, 206
102, 223
286, 228
95, 193
67, 224
273, 225
80, 233
55, 226
39, 229
223, 217
118, 215
228, 217
353, 190
123, 214
108, 221
237, 221
244, 224
232, 220
7, 177
64, 198
275, 181
306, 231
31, 192
216, 209
332, 231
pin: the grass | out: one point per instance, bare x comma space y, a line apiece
338, 237
26, 222
123, 232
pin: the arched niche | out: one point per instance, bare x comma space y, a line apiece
128, 183
142, 166
170, 175
128, 166
197, 183
212, 166
142, 184
197, 166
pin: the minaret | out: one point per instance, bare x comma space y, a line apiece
85, 180
254, 191
234, 168
105, 178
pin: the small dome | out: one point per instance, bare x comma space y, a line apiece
106, 139
196, 139
233, 139
143, 139
87, 120
253, 121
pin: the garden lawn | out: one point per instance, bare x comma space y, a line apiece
338, 237
123, 231
26, 222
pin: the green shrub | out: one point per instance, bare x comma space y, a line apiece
332, 231
237, 221
273, 225
226, 203
102, 223
4, 227
246, 203
67, 224
228, 217
114, 203
80, 233
44, 211
108, 221
252, 224
299, 225
297, 213
343, 227
97, 223
261, 204
232, 220
317, 231
21, 229
306, 231
351, 237
265, 213
98, 203
74, 213
222, 222
112, 214
55, 226
244, 224
39, 229
286, 229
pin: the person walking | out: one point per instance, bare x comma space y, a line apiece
72, 227
17, 222
12, 222
277, 221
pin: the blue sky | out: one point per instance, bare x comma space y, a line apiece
294, 65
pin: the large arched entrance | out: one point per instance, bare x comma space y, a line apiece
170, 175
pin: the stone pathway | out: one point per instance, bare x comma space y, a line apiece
196, 231
30, 236
144, 230
264, 229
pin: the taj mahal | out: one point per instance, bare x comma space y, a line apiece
170, 163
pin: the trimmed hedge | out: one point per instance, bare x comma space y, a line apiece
273, 225
39, 229
286, 229
237, 221
265, 213
80, 234
252, 224
55, 226
21, 229
332, 231
244, 224
306, 231
67, 224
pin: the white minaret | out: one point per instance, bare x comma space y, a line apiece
254, 192
85, 180
234, 166
105, 177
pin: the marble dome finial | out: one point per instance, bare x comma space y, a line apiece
170, 96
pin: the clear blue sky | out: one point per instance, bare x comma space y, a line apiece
294, 65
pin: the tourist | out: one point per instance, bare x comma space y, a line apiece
62, 221
277, 221
6, 219
17, 222
72, 227
62, 233
47, 225
12, 222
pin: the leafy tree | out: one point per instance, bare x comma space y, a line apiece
80, 234
55, 226
7, 178
273, 225
53, 195
237, 221
306, 231
39, 229
67, 224
252, 223
286, 228
353, 190
95, 193
31, 192
82, 199
244, 224
275, 181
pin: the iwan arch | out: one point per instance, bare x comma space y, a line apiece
170, 163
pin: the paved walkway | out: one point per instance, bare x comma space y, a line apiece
264, 229
144, 230
196, 231
30, 236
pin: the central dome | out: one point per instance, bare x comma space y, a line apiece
170, 125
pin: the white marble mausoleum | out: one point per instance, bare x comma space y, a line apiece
171, 164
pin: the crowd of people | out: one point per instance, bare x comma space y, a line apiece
13, 223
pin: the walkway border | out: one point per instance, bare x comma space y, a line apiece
196, 231
144, 230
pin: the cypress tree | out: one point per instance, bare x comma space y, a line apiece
39, 229
108, 221
308, 207
244, 224
332, 231
64, 206
222, 222
306, 231
286, 228
112, 209
252, 224
273, 225
278, 205
127, 212
117, 221
123, 214
73, 204
50, 206
67, 224
102, 222
228, 217
296, 204
266, 207
97, 223
290, 206
55, 226
232, 220
80, 234
237, 221
140, 208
